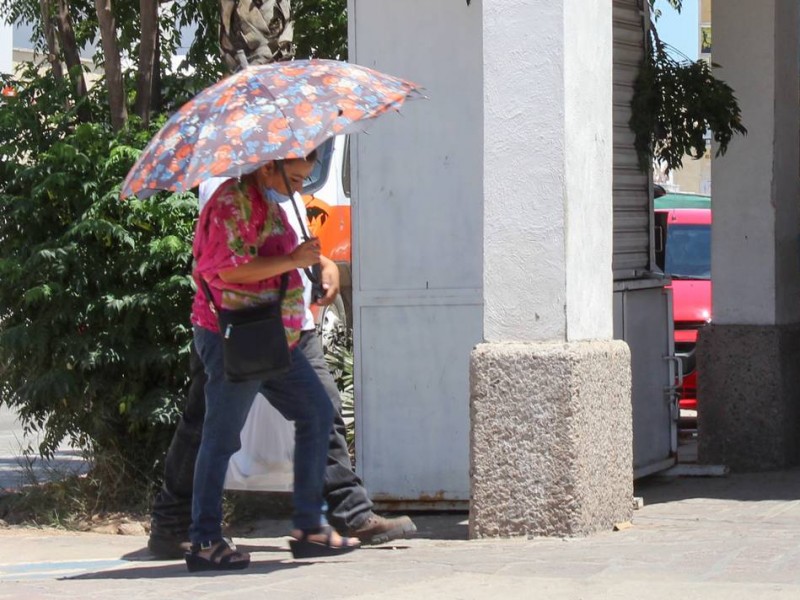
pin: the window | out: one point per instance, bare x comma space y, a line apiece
320, 171
346, 168
688, 252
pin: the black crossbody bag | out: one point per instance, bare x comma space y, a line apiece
254, 345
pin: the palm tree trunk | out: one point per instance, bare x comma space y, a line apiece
262, 30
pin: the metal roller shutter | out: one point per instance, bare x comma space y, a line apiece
632, 204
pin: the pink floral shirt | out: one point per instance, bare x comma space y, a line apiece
236, 225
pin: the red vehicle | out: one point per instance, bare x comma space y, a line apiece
683, 226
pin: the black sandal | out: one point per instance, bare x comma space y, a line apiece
306, 548
218, 560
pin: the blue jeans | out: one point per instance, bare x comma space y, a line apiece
298, 396
348, 503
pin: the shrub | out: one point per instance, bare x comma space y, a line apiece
339, 354
95, 297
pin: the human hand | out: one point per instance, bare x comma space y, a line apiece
330, 282
306, 254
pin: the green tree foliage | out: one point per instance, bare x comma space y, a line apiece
320, 29
676, 4
94, 306
675, 103
80, 17
95, 297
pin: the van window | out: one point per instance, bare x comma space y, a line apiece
688, 252
346, 168
319, 173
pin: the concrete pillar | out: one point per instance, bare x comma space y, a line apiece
551, 449
749, 358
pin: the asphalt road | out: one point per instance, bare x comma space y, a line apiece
16, 469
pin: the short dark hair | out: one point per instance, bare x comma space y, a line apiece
310, 157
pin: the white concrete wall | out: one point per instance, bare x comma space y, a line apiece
588, 80
417, 249
755, 247
484, 214
421, 172
524, 157
6, 46
786, 182
547, 170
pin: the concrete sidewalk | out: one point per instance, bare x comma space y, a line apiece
729, 538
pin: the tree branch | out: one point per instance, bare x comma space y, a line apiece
113, 66
72, 56
147, 56
46, 11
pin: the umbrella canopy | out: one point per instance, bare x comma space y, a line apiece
262, 113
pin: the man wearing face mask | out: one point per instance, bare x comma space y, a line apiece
349, 506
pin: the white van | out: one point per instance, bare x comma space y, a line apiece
327, 198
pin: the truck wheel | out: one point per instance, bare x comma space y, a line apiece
332, 318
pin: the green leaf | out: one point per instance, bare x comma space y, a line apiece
675, 102
37, 295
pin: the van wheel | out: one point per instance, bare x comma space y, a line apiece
347, 298
331, 319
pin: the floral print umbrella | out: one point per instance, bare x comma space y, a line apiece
263, 113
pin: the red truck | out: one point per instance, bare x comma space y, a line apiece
683, 251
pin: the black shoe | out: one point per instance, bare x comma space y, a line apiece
379, 530
168, 547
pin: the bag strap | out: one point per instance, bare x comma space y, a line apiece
207, 292
300, 219
313, 273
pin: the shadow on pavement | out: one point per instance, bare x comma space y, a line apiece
178, 569
452, 525
748, 487
144, 555
441, 525
252, 548
140, 555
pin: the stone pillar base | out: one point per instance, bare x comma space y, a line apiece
748, 396
551, 450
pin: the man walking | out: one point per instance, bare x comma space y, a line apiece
349, 506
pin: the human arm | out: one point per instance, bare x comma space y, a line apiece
265, 267
330, 280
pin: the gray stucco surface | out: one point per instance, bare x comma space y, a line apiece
551, 440
749, 396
